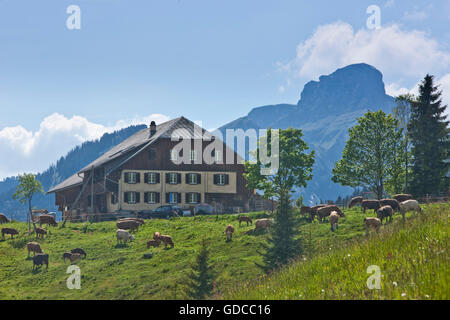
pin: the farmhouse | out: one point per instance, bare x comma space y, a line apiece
150, 169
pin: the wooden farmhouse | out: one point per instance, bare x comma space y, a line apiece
144, 172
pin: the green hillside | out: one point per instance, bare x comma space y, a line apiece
418, 248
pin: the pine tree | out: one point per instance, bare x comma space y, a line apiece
429, 134
202, 275
283, 242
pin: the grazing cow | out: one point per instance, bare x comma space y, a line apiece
334, 218
229, 232
246, 219
370, 204
138, 220
128, 225
47, 219
409, 205
402, 197
325, 212
40, 232
263, 223
313, 210
3, 218
35, 247
370, 222
40, 259
73, 257
395, 205
153, 243
164, 238
123, 235
355, 200
385, 212
11, 231
304, 210
80, 251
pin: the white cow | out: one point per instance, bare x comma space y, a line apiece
124, 235
409, 205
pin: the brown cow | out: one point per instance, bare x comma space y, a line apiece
385, 212
138, 220
229, 232
47, 219
3, 218
263, 223
370, 204
164, 238
325, 212
395, 205
128, 225
40, 232
245, 219
354, 201
370, 222
40, 259
10, 231
402, 197
71, 256
153, 243
34, 247
334, 218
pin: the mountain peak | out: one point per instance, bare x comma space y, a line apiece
355, 86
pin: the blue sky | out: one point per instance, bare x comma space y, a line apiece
207, 60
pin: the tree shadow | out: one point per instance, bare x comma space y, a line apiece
256, 232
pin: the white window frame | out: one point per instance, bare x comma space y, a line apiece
192, 198
173, 155
132, 197
152, 177
151, 197
221, 181
174, 180
193, 155
132, 177
217, 155
174, 199
193, 178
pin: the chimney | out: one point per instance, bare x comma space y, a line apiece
152, 128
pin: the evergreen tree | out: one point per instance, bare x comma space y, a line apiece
202, 275
284, 243
429, 135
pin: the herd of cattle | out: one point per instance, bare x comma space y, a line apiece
384, 209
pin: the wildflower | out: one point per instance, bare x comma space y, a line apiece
395, 284
323, 291
403, 294
348, 255
427, 296
389, 255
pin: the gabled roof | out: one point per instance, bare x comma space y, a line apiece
179, 127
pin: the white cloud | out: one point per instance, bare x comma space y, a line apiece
389, 3
398, 54
444, 83
28, 151
415, 15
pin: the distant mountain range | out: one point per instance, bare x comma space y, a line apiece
326, 110
65, 167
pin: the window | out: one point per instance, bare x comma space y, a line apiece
173, 197
173, 178
221, 179
151, 154
132, 197
152, 178
173, 155
132, 177
192, 197
114, 199
192, 178
151, 197
193, 155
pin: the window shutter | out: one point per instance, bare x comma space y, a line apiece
199, 197
127, 178
167, 197
157, 177
146, 197
146, 178
227, 179
187, 178
138, 197
167, 177
125, 197
178, 197
157, 200
138, 177
216, 178
178, 178
199, 178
